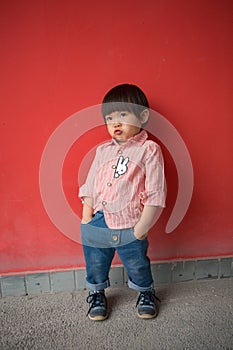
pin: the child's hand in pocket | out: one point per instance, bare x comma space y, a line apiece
139, 232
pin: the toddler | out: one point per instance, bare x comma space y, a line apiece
124, 186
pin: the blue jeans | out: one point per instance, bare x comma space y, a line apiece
99, 246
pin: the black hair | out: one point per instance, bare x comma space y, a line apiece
124, 97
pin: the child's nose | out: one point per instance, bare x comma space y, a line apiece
117, 123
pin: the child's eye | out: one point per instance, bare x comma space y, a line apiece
108, 119
123, 114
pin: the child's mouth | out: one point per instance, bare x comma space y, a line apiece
117, 132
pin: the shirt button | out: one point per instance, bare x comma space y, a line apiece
114, 237
104, 203
109, 184
113, 166
119, 152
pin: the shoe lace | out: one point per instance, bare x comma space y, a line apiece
95, 299
147, 298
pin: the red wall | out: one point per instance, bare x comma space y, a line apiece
59, 57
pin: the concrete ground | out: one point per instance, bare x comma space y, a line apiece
193, 315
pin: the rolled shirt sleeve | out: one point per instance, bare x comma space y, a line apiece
155, 184
87, 189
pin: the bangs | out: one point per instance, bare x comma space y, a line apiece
110, 107
125, 97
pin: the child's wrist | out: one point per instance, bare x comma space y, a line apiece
85, 220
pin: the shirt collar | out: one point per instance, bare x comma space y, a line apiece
139, 138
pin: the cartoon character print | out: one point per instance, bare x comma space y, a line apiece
121, 167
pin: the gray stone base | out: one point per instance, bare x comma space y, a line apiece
74, 279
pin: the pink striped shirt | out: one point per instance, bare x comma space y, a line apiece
124, 178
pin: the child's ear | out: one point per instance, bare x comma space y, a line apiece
144, 116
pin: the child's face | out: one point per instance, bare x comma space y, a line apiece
122, 125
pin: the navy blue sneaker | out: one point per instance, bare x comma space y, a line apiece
147, 306
97, 306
